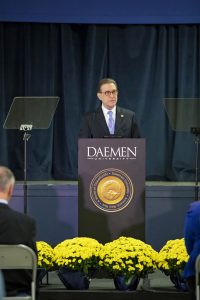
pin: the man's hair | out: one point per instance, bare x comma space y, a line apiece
6, 178
104, 81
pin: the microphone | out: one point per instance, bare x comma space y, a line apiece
112, 136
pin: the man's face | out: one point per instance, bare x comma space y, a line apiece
108, 95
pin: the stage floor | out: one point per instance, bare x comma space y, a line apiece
157, 287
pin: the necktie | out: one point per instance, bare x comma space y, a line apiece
111, 124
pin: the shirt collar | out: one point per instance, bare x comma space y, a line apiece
105, 111
3, 201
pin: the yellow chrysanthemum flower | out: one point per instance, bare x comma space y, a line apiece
172, 257
80, 253
45, 255
128, 256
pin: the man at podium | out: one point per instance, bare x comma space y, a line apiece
109, 120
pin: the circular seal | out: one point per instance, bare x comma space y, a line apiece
111, 190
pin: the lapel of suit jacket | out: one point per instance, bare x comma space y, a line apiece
100, 119
119, 119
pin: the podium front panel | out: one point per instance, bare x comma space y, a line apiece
111, 188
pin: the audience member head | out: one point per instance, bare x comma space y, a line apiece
7, 181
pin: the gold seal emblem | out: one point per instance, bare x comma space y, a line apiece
111, 190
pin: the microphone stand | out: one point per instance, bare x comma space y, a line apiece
25, 139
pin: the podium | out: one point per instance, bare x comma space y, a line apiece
27, 113
111, 188
184, 115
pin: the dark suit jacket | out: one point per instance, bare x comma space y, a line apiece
94, 125
16, 228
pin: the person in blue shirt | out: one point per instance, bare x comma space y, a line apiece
192, 243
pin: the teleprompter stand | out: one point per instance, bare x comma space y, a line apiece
184, 115
27, 113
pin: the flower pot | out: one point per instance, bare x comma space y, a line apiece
178, 281
73, 280
41, 273
126, 284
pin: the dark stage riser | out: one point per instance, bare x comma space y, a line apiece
58, 294
159, 288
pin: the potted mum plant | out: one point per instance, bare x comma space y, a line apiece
172, 259
127, 260
45, 260
75, 259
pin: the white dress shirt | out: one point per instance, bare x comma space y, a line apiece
3, 201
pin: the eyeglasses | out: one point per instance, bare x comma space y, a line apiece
109, 93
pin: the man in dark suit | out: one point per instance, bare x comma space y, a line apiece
15, 228
109, 120
2, 289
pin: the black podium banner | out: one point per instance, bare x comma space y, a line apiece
111, 188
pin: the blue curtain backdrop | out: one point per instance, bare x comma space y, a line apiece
149, 62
